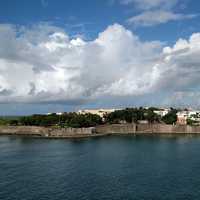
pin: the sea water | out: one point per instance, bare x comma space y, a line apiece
100, 168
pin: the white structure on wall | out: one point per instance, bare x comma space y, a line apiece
58, 113
162, 112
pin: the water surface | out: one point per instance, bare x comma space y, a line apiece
100, 168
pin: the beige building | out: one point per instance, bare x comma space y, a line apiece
181, 120
183, 116
100, 112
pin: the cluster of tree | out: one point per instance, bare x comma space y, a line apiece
171, 117
66, 120
191, 122
128, 115
132, 115
4, 121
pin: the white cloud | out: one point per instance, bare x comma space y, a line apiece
151, 4
180, 71
151, 18
44, 3
43, 64
155, 12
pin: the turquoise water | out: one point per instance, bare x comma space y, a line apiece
101, 168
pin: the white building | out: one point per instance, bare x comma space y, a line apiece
162, 112
58, 113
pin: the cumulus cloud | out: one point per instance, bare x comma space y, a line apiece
181, 63
43, 64
38, 65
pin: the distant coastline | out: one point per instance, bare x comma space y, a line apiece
98, 122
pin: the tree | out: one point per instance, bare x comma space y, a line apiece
13, 122
132, 115
190, 122
151, 116
171, 117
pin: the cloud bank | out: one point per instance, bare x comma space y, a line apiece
42, 64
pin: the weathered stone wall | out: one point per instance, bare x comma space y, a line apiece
147, 129
64, 132
45, 132
144, 128
100, 130
116, 129
23, 130
168, 129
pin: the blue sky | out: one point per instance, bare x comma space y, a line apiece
71, 54
89, 17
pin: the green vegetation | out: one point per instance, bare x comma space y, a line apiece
9, 120
193, 120
190, 122
3, 122
171, 117
66, 120
74, 120
132, 115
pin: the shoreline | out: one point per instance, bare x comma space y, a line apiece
81, 137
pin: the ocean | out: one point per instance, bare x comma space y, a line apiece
113, 167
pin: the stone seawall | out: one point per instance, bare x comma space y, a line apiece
167, 129
116, 129
46, 132
147, 129
23, 130
70, 132
123, 129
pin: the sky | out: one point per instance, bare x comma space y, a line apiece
66, 55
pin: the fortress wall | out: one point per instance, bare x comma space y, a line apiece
43, 131
23, 130
147, 129
116, 129
99, 130
164, 128
62, 132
